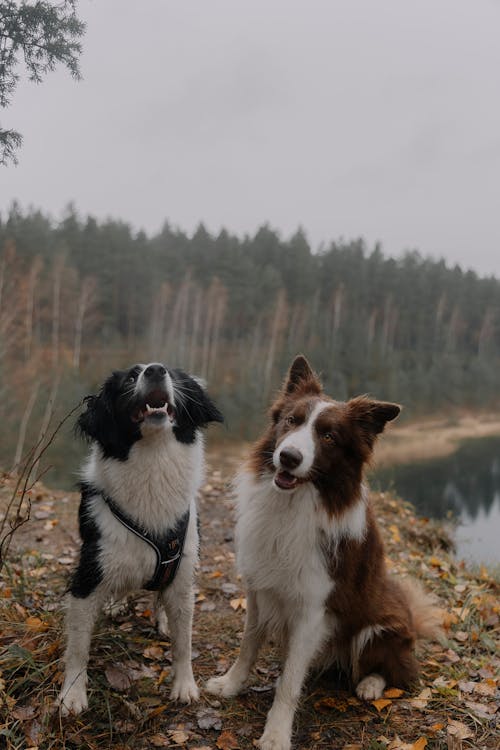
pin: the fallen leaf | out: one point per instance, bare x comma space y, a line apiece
452, 656
227, 741
437, 727
239, 603
393, 693
23, 713
381, 703
487, 687
466, 686
483, 710
419, 744
34, 623
459, 730
216, 574
118, 677
330, 702
209, 719
153, 652
159, 740
422, 699
178, 736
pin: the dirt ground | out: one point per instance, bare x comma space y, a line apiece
454, 705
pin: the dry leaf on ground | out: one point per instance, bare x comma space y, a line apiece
227, 741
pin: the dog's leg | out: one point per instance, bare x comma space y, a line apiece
306, 635
178, 600
80, 618
161, 618
234, 679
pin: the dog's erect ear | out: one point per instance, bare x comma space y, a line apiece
373, 415
193, 407
301, 378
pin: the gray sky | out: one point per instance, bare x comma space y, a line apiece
378, 118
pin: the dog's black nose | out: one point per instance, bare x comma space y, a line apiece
290, 458
155, 372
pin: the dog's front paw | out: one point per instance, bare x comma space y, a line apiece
275, 739
370, 688
223, 686
72, 700
184, 690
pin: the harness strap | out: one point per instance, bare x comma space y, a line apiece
168, 547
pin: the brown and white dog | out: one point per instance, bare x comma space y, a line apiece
311, 556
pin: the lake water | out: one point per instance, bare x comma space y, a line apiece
465, 485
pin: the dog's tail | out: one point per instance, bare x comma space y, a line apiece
427, 615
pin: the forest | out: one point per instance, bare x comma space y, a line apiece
79, 297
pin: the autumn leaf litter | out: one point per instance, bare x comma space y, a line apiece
454, 706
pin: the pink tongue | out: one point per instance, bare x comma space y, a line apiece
285, 480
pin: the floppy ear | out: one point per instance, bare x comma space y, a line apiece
98, 420
301, 377
373, 415
193, 407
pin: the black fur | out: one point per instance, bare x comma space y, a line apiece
108, 424
107, 415
194, 408
88, 574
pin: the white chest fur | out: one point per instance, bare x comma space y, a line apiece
277, 538
156, 483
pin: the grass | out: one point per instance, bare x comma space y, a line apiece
457, 687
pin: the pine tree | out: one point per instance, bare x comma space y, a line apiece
43, 34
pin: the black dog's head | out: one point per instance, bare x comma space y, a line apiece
142, 401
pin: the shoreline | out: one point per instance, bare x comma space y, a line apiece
431, 438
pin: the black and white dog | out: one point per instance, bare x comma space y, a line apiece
138, 520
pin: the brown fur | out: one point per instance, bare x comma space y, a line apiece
364, 595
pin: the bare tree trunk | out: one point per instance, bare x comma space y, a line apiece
372, 323
86, 292
2, 278
195, 329
175, 339
218, 319
338, 299
24, 425
56, 310
157, 329
486, 332
30, 304
207, 330
276, 327
452, 333
49, 410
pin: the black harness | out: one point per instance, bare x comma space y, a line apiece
168, 546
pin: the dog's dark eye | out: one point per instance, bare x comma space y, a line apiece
290, 420
131, 378
327, 437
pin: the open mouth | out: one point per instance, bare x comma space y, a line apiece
286, 481
155, 407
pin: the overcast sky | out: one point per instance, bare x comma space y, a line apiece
373, 118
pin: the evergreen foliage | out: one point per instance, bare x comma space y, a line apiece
81, 296
43, 34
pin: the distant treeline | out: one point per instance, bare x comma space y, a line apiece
80, 296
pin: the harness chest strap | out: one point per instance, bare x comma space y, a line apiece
168, 547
